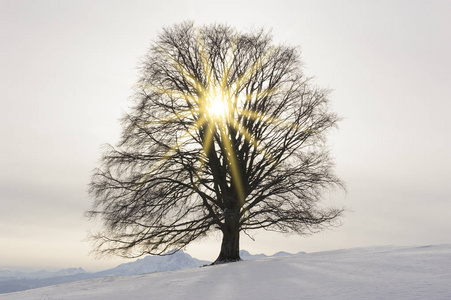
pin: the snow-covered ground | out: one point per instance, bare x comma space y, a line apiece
362, 273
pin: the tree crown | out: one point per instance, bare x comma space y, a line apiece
225, 126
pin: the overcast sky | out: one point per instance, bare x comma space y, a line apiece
66, 73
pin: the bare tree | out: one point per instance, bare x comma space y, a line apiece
226, 133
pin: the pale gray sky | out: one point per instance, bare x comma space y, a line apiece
66, 72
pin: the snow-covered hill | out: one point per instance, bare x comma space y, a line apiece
363, 273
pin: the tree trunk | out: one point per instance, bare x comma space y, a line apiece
230, 247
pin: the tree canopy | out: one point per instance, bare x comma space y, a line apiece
225, 133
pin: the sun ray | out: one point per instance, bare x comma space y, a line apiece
251, 140
233, 165
207, 144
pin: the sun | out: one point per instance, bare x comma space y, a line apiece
216, 104
217, 108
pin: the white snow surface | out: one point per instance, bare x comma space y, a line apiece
362, 273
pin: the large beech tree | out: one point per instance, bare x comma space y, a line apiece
225, 133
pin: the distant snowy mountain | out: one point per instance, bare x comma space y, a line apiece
282, 253
14, 284
12, 281
8, 274
245, 255
150, 264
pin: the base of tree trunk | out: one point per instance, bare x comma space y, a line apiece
225, 261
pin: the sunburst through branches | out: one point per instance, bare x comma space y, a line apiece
217, 105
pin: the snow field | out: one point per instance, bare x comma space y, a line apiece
362, 273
